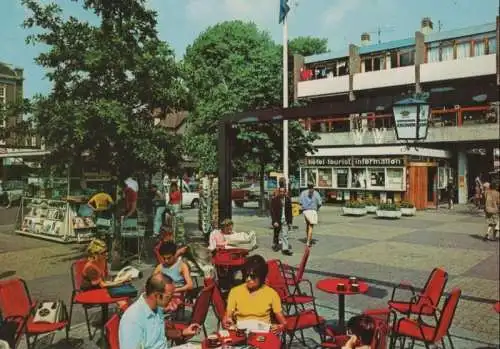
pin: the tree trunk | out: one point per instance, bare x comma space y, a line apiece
262, 204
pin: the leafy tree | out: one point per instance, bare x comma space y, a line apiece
108, 79
233, 67
308, 45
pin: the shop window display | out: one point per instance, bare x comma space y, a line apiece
325, 178
376, 178
395, 179
342, 176
310, 176
358, 178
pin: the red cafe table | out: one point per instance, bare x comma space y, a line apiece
257, 340
330, 286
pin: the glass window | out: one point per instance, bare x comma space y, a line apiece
342, 176
463, 50
377, 178
492, 46
310, 177
447, 53
368, 64
358, 178
433, 54
395, 179
325, 178
407, 58
479, 48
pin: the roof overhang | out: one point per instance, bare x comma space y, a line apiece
382, 151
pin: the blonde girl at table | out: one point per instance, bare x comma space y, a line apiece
254, 301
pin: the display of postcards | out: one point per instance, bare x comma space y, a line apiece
43, 212
26, 224
32, 212
88, 222
47, 227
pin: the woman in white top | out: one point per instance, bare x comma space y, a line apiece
217, 238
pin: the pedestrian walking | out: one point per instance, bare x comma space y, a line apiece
450, 189
491, 204
310, 201
159, 207
281, 215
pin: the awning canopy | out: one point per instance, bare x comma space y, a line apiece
24, 154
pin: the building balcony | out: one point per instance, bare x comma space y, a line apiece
384, 78
323, 87
468, 124
458, 69
429, 73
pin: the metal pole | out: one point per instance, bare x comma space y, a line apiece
285, 100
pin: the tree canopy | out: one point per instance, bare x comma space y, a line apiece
308, 45
108, 79
232, 67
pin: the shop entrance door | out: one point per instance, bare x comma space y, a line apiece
418, 185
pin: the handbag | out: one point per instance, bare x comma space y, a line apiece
49, 312
125, 290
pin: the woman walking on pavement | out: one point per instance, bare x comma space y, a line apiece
491, 204
310, 201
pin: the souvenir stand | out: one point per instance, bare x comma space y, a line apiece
53, 209
206, 206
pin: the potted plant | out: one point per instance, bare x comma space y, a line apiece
407, 208
388, 211
354, 208
371, 205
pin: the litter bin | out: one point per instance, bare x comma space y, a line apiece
295, 209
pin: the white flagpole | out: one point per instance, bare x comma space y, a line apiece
285, 100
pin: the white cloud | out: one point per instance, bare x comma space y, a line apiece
336, 13
206, 12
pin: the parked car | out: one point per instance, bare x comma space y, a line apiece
242, 193
190, 195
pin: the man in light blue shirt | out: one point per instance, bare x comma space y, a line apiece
310, 202
142, 326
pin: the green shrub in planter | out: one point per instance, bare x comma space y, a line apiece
355, 204
406, 204
371, 202
388, 207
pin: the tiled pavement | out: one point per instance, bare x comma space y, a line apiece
378, 251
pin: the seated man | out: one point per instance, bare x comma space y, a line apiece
254, 303
174, 267
361, 328
143, 324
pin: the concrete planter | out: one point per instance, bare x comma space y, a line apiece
371, 209
350, 211
389, 214
405, 211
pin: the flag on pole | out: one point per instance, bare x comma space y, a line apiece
284, 8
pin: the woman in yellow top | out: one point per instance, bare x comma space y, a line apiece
100, 202
254, 300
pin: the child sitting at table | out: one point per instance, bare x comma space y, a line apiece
174, 267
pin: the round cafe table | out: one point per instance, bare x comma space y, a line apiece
227, 262
257, 340
329, 285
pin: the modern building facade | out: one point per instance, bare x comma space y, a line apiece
359, 154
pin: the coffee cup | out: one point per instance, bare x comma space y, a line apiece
340, 287
213, 340
353, 280
354, 287
241, 332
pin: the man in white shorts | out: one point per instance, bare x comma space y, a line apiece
310, 202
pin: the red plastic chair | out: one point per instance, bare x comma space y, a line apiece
291, 277
418, 330
200, 311
301, 320
425, 302
111, 331
16, 303
276, 280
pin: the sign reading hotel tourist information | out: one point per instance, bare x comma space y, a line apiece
405, 117
354, 161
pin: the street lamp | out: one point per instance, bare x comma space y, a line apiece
411, 118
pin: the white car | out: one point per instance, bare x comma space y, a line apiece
190, 195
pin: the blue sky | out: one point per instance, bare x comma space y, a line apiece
180, 22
